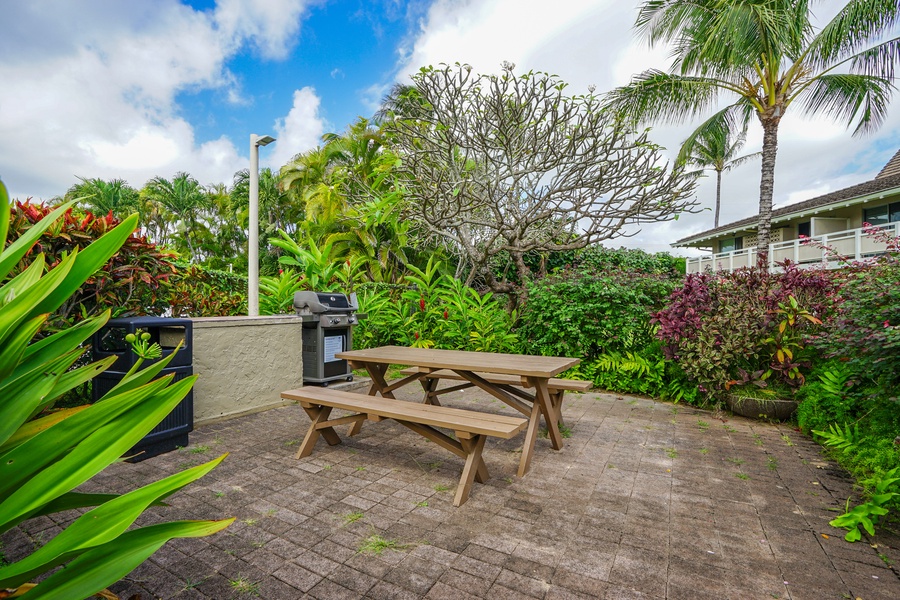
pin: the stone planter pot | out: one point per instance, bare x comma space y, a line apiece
774, 409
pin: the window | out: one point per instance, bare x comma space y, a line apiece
731, 244
804, 229
882, 215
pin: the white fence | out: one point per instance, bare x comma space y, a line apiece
828, 250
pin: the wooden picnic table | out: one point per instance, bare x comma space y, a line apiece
534, 372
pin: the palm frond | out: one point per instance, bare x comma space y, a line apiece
849, 98
877, 61
654, 94
662, 21
726, 40
853, 28
737, 162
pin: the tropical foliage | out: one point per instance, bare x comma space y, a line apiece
432, 309
45, 453
101, 197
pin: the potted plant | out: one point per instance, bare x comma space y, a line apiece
761, 402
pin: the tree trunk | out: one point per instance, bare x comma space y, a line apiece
766, 191
718, 195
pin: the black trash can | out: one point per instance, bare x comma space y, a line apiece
173, 431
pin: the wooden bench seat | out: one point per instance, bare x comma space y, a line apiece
557, 387
471, 428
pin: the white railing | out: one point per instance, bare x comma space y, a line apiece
853, 244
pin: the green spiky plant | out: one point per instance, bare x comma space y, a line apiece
45, 454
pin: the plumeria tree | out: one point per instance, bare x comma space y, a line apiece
504, 165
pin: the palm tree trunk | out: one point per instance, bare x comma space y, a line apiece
718, 195
766, 191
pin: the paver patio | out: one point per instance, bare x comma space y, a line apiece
646, 500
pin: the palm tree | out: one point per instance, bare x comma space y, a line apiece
715, 148
765, 55
185, 199
103, 197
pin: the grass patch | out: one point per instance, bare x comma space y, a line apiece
375, 544
743, 476
671, 452
190, 584
242, 585
564, 431
352, 517
200, 449
441, 488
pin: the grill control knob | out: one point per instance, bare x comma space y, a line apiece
351, 320
335, 320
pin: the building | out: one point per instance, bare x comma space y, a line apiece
834, 220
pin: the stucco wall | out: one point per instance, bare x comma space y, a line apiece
243, 364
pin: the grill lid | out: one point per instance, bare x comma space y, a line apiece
324, 302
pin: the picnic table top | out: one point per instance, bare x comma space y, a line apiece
488, 362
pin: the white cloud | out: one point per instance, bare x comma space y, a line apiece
271, 25
299, 131
94, 94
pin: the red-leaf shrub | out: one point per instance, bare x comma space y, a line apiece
131, 283
722, 328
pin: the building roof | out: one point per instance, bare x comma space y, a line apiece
887, 179
891, 168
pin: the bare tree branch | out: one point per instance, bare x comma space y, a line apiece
495, 164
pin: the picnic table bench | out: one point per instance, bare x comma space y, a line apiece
470, 428
555, 386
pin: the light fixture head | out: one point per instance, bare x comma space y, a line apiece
265, 140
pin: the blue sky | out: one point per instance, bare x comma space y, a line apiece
142, 88
342, 50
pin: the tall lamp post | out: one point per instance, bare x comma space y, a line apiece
253, 244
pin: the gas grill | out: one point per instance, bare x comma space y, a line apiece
328, 320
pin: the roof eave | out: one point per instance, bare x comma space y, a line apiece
707, 235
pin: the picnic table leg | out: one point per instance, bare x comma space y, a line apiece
548, 408
317, 414
376, 372
472, 470
557, 398
429, 384
530, 437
